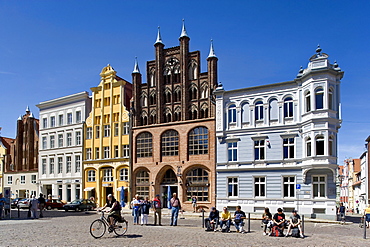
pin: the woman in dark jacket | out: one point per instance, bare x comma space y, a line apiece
144, 208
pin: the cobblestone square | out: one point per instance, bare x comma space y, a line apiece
59, 228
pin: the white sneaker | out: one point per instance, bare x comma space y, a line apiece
264, 234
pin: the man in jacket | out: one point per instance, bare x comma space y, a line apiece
157, 208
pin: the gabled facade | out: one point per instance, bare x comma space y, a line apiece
173, 125
106, 138
60, 147
5, 147
20, 173
277, 143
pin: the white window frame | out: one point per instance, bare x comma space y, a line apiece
88, 153
288, 146
125, 151
68, 164
52, 121
232, 148
60, 140
52, 141
232, 183
78, 163
33, 179
10, 180
91, 176
123, 174
108, 175
23, 179
43, 166
44, 142
288, 183
259, 146
60, 165
89, 133
231, 114
60, 120
78, 138
106, 152
69, 118
259, 110
259, 183
51, 165
78, 117
106, 130
318, 183
69, 139
126, 128
44, 123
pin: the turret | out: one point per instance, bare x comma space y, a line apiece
136, 81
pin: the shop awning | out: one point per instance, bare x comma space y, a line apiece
89, 188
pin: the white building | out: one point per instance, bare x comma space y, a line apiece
61, 145
277, 143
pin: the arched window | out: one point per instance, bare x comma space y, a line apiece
308, 101
167, 96
91, 176
152, 78
153, 118
331, 102
169, 177
144, 146
259, 111
204, 111
320, 147
274, 109
193, 92
197, 184
177, 114
331, 146
176, 77
288, 107
142, 183
170, 143
144, 100
232, 113
198, 141
245, 113
177, 95
144, 118
152, 98
167, 115
193, 112
193, 70
204, 91
308, 147
319, 98
123, 174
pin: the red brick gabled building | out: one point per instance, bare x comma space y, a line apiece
174, 125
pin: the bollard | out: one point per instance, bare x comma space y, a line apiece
302, 224
19, 214
249, 222
202, 218
365, 227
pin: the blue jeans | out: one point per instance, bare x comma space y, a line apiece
174, 215
239, 225
1, 211
227, 222
136, 215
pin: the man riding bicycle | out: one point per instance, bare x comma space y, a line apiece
114, 212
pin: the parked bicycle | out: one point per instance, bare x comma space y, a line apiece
99, 226
361, 224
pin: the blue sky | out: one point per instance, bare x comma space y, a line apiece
50, 49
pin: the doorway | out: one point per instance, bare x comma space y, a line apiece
108, 190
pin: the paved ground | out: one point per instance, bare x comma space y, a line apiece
59, 228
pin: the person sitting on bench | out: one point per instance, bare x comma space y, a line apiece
212, 221
295, 222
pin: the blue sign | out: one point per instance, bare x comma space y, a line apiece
297, 186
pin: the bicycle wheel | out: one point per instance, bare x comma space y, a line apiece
97, 228
120, 228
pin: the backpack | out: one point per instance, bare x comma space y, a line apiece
277, 232
224, 228
295, 232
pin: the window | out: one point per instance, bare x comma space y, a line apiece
331, 145
108, 175
126, 128
170, 143
259, 187
69, 164
232, 185
288, 186
78, 163
116, 129
60, 140
197, 181
69, 139
232, 114
116, 151
308, 101
10, 179
88, 153
198, 141
319, 186
142, 191
60, 165
288, 147
106, 130
123, 174
52, 141
320, 145
33, 179
144, 145
69, 118
259, 111
78, 117
288, 107
97, 151
43, 166
232, 151
273, 110
308, 147
51, 165
60, 120
142, 177
88, 133
52, 121
245, 113
106, 153
91, 176
44, 123
259, 149
126, 151
319, 98
78, 137
23, 179
44, 142
331, 102
107, 101
97, 131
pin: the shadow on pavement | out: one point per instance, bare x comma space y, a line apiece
133, 236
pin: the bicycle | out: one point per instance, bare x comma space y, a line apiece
361, 224
99, 226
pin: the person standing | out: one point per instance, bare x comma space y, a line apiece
34, 205
194, 199
342, 212
176, 206
144, 208
136, 209
157, 208
2, 203
41, 200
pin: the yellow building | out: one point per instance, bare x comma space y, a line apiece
106, 139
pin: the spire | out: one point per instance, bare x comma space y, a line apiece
27, 109
159, 38
31, 116
183, 31
136, 67
211, 50
20, 117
